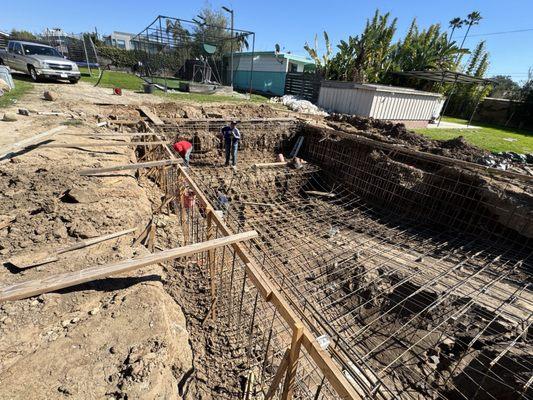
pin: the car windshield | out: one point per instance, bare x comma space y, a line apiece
33, 49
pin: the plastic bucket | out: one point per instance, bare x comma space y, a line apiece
148, 88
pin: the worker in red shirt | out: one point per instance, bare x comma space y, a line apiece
184, 149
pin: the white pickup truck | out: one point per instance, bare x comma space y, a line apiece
39, 61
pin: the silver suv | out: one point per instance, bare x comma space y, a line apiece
39, 61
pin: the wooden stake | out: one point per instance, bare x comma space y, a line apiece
55, 282
279, 375
211, 263
296, 344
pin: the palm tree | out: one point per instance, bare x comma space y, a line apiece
471, 19
456, 23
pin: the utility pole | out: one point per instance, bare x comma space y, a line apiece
231, 44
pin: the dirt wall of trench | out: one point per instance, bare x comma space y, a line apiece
437, 193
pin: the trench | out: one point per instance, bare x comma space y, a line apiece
417, 273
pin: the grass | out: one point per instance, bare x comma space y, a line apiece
113, 79
124, 80
488, 137
21, 88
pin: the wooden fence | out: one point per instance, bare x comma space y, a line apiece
304, 85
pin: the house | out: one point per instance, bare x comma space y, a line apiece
269, 70
122, 40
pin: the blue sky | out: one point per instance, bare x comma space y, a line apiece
292, 23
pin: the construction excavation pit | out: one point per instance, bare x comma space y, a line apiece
339, 259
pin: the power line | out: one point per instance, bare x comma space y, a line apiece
502, 32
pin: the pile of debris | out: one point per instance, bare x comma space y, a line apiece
299, 105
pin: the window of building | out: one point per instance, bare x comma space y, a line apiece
293, 67
121, 44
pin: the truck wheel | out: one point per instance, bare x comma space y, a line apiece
33, 73
1, 62
73, 80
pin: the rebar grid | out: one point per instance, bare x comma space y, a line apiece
459, 269
391, 290
242, 333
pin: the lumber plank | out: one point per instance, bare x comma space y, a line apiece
151, 116
149, 164
99, 144
110, 135
41, 137
318, 193
33, 259
251, 203
55, 282
272, 164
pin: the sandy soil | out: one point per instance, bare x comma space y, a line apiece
123, 337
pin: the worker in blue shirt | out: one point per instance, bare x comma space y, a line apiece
232, 137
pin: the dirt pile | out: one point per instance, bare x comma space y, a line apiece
390, 132
216, 110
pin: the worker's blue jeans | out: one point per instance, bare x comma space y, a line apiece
187, 157
232, 146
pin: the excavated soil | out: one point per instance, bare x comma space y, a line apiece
122, 337
391, 132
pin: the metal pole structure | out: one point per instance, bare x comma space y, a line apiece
252, 64
231, 51
231, 45
86, 55
448, 100
475, 108
162, 50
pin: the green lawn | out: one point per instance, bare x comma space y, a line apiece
113, 79
21, 87
489, 137
129, 81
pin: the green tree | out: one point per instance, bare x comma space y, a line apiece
366, 57
472, 19
426, 49
322, 62
456, 23
23, 35
464, 97
505, 88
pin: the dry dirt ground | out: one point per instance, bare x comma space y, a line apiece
123, 337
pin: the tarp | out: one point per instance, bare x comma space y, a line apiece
5, 75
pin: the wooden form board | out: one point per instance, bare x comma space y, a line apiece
111, 135
27, 260
99, 144
55, 282
151, 116
150, 164
41, 137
